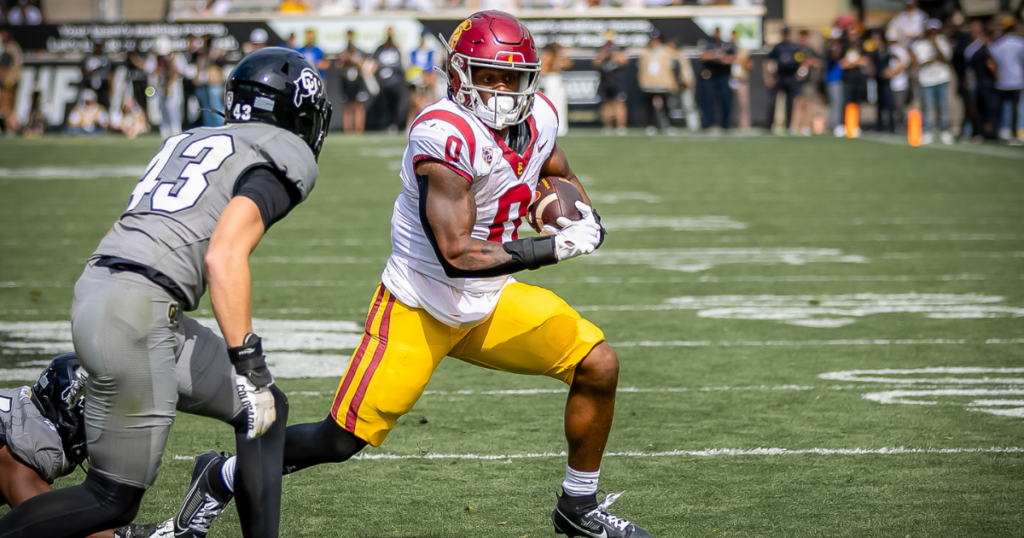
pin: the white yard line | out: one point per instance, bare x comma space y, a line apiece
709, 453
799, 343
705, 453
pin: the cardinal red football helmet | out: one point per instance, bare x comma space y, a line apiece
496, 40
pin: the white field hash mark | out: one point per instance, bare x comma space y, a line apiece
831, 311
693, 260
295, 348
677, 224
950, 389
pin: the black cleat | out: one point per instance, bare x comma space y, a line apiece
595, 523
201, 506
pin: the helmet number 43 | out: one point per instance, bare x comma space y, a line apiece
242, 112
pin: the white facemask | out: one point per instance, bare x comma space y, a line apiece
497, 107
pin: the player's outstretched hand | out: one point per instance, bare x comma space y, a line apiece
259, 406
577, 237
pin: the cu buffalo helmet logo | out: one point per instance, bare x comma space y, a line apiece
308, 86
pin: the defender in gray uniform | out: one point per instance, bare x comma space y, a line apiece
206, 200
42, 437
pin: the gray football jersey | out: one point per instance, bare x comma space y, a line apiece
31, 437
175, 207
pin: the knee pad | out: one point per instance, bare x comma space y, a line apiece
117, 502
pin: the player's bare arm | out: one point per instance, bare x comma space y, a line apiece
451, 212
238, 231
18, 482
227, 267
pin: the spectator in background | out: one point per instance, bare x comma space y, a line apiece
11, 62
780, 75
716, 58
35, 124
96, 73
314, 54
932, 54
166, 68
741, 81
981, 69
294, 6
686, 81
215, 8
807, 75
553, 62
209, 83
834, 82
897, 71
390, 75
421, 77
257, 40
909, 23
880, 55
138, 78
1008, 53
959, 40
857, 67
351, 62
611, 61
289, 42
25, 12
130, 120
657, 81
88, 118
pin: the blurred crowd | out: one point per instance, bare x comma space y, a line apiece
220, 8
912, 63
169, 90
963, 77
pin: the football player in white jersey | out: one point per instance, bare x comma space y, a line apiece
468, 176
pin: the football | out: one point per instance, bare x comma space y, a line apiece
555, 197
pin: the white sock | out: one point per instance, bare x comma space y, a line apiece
580, 483
227, 473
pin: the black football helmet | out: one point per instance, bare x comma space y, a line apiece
279, 86
57, 394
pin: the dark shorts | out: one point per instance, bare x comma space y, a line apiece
353, 89
612, 87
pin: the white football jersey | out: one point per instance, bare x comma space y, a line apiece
503, 185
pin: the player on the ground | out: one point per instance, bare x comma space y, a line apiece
206, 200
469, 173
42, 437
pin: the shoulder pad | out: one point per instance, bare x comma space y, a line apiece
290, 156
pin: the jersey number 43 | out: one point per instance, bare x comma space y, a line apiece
175, 194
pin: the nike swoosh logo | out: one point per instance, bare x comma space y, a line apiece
604, 532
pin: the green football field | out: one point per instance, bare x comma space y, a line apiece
817, 337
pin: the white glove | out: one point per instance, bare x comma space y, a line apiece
576, 237
259, 406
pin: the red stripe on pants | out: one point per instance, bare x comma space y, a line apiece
358, 357
357, 400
